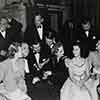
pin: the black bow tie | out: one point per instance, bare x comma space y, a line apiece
39, 26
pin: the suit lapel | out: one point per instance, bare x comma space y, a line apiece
6, 36
2, 36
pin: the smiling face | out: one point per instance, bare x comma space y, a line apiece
76, 50
3, 24
25, 49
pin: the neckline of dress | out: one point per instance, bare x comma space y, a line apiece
77, 65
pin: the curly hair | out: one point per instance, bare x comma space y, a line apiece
83, 49
13, 48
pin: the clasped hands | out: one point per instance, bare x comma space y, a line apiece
45, 76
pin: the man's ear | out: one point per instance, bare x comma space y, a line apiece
42, 20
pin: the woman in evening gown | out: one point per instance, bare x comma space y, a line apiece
94, 59
12, 71
79, 85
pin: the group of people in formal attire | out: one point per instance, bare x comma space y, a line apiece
70, 64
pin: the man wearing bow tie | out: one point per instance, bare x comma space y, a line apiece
39, 26
37, 31
86, 34
4, 38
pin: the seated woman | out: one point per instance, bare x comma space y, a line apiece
78, 86
59, 70
12, 73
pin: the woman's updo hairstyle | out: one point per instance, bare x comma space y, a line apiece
13, 48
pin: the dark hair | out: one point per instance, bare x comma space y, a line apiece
13, 48
35, 42
84, 20
23, 43
56, 47
83, 49
38, 13
50, 35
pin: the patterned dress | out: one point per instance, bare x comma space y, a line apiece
79, 86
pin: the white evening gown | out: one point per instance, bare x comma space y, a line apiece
71, 91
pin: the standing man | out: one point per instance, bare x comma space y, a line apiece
37, 31
5, 37
86, 35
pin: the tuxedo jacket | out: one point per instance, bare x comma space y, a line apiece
33, 65
87, 40
31, 34
5, 42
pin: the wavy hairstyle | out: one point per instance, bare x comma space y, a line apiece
13, 48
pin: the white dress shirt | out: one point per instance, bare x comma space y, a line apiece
26, 66
37, 56
87, 33
40, 31
3, 33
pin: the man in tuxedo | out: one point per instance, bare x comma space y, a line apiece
86, 34
37, 31
37, 61
5, 38
9, 32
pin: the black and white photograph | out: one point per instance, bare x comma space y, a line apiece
49, 49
